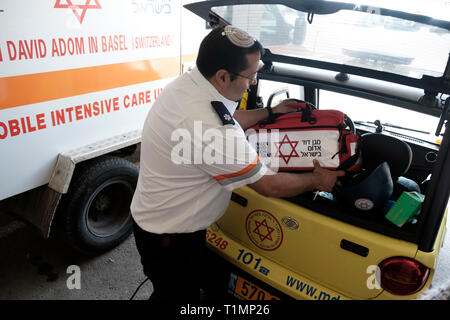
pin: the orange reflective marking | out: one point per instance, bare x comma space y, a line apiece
46, 86
239, 173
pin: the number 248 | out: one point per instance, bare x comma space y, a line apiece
212, 238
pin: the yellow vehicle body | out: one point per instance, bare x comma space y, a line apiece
324, 248
308, 262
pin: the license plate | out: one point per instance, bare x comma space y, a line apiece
246, 290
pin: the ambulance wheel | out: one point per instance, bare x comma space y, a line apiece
97, 212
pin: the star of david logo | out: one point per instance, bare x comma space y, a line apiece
269, 230
61, 4
286, 157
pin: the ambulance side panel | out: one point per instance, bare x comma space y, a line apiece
74, 75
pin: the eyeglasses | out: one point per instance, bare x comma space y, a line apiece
252, 78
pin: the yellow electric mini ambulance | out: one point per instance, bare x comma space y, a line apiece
387, 66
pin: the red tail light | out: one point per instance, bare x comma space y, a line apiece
403, 276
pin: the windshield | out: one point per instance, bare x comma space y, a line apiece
393, 119
355, 38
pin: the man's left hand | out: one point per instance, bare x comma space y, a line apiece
287, 106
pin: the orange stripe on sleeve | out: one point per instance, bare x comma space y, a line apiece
239, 173
46, 86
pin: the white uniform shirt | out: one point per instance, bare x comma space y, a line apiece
190, 161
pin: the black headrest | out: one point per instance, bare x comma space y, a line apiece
377, 148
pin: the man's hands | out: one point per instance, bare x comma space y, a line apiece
325, 179
283, 184
248, 118
286, 106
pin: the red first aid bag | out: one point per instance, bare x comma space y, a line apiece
291, 141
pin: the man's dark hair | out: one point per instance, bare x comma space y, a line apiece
218, 52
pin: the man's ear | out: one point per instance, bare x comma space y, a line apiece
221, 81
222, 77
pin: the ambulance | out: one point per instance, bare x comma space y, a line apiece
77, 78
386, 65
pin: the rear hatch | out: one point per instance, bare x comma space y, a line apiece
308, 235
326, 251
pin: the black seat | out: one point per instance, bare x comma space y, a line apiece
384, 160
377, 148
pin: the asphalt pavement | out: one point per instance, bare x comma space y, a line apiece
33, 268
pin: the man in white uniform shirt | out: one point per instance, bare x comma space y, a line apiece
188, 169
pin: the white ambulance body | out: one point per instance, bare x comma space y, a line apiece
77, 79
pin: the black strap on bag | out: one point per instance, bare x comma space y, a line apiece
352, 159
272, 116
306, 114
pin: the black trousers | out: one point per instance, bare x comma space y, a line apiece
173, 262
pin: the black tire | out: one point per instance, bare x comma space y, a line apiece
97, 206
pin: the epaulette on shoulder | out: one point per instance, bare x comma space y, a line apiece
223, 112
